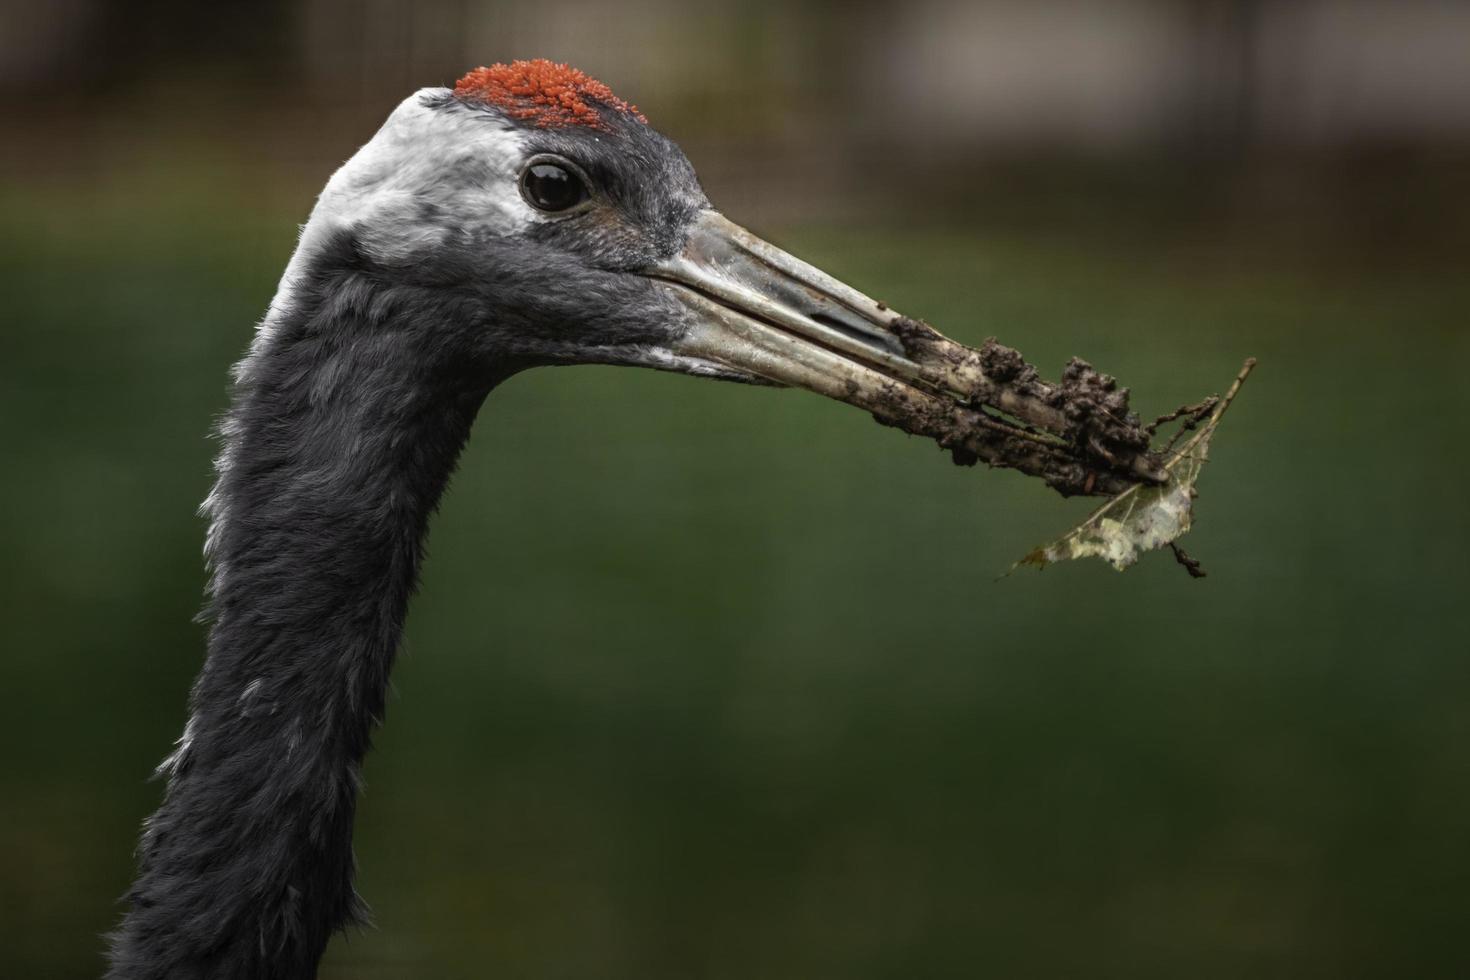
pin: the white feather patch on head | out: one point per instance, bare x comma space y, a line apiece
425, 170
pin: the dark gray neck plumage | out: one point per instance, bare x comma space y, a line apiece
346, 423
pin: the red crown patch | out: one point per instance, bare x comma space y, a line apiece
544, 92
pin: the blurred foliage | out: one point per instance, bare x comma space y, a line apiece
717, 682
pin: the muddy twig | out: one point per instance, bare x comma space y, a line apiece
1079, 435
986, 404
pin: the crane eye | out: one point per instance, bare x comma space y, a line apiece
552, 186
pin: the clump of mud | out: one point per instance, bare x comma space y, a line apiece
1078, 435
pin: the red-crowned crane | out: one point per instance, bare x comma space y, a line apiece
525, 217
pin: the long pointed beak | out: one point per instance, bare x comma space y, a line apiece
761, 311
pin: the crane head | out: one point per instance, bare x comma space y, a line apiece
567, 230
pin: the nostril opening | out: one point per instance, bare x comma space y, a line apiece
864, 334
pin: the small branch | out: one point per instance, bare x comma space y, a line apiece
1196, 409
1211, 408
1197, 414
1245, 370
1190, 424
1221, 405
1191, 565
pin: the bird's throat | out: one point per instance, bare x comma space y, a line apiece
345, 427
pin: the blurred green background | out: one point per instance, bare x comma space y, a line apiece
706, 681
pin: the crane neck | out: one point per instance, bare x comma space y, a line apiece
347, 420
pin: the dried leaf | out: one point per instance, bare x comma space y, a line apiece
1143, 517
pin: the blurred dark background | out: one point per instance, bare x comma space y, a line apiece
712, 682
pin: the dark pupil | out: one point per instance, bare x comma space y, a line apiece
551, 188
